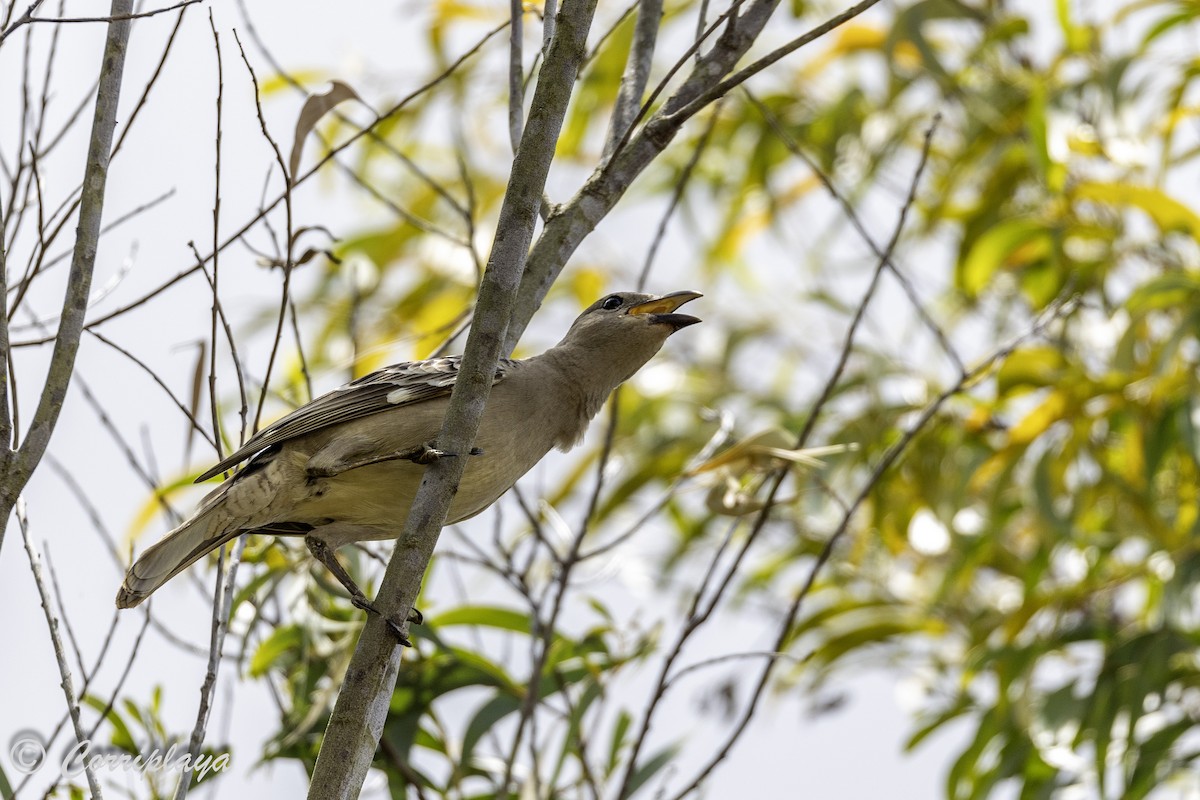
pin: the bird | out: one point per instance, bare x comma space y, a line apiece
346, 466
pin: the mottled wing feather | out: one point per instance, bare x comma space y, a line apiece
382, 390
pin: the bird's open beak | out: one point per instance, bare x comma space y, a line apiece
662, 309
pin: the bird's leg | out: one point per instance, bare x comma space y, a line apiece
324, 553
327, 466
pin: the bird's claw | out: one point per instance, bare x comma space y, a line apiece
414, 616
398, 632
427, 454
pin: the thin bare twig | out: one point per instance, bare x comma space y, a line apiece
244, 410
222, 602
681, 185
154, 376
35, 564
28, 19
214, 283
289, 238
542, 634
58, 596
856, 221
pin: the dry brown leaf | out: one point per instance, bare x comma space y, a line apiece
765, 451
198, 380
315, 107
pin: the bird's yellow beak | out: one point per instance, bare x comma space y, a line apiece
665, 304
662, 309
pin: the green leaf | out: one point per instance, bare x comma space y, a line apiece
281, 641
617, 741
121, 737
1172, 290
486, 616
1030, 368
1007, 244
649, 768
491, 712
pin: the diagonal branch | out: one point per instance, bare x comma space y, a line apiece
572, 222
357, 721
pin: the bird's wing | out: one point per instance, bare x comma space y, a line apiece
382, 390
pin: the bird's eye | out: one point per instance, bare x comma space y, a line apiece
611, 303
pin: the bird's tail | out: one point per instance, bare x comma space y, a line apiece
179, 549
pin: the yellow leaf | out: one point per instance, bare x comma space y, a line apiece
1037, 421
859, 37
797, 191
734, 238
1167, 212
989, 471
152, 507
438, 315
275, 83
587, 284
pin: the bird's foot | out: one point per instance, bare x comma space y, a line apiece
427, 454
414, 616
322, 552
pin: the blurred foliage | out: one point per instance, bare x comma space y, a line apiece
1030, 564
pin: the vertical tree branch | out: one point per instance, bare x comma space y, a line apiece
6, 425
516, 74
357, 722
83, 262
637, 72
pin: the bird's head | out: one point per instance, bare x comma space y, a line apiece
622, 331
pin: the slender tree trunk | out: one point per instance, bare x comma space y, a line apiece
361, 710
